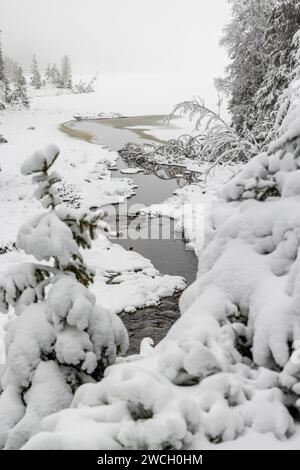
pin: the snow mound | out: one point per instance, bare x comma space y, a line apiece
152, 416
226, 369
57, 338
45, 236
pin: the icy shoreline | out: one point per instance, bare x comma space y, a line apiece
198, 387
86, 169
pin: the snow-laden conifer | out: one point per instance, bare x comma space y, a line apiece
18, 90
66, 72
35, 79
4, 85
58, 337
229, 367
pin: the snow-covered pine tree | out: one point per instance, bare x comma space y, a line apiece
4, 85
244, 40
2, 140
66, 72
56, 80
235, 347
18, 94
11, 69
59, 338
2, 68
48, 75
282, 27
35, 80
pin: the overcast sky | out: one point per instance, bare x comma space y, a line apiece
178, 38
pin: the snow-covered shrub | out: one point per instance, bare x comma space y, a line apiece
35, 78
4, 90
252, 261
85, 87
2, 140
58, 338
230, 357
276, 172
16, 94
174, 151
128, 409
220, 142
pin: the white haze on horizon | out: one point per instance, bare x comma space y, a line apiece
168, 44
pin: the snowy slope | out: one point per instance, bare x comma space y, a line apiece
226, 374
84, 167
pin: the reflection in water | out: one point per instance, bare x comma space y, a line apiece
167, 172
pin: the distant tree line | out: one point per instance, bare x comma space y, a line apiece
12, 83
14, 87
54, 76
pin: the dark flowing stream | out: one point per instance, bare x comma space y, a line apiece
157, 240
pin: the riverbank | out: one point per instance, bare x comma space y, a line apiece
196, 374
85, 169
125, 280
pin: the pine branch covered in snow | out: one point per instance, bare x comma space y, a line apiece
17, 91
259, 41
229, 367
218, 142
244, 41
221, 143
59, 338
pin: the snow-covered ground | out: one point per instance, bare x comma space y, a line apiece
224, 376
191, 205
85, 169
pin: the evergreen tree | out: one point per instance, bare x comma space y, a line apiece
18, 94
4, 85
66, 72
244, 40
59, 337
281, 48
56, 76
48, 75
35, 80
11, 69
260, 42
2, 68
2, 140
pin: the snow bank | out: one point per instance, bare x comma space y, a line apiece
84, 165
151, 414
226, 371
191, 205
58, 338
87, 182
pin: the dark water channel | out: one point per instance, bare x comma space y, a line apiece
157, 240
